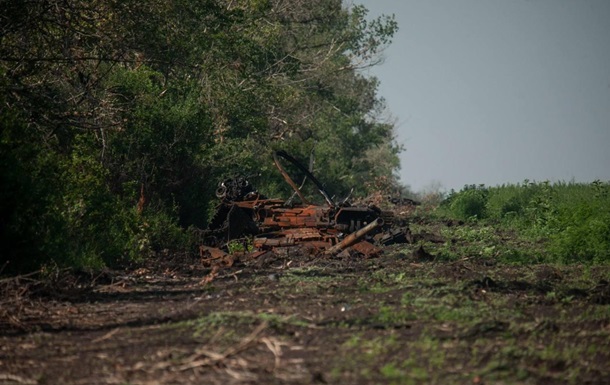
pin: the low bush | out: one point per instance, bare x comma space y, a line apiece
469, 203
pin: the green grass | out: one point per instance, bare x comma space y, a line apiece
521, 329
571, 219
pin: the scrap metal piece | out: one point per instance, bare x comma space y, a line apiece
367, 249
354, 237
392, 236
211, 253
305, 171
272, 223
216, 259
291, 237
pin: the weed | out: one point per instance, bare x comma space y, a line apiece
240, 245
391, 372
230, 321
391, 316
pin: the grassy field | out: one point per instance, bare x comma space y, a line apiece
572, 220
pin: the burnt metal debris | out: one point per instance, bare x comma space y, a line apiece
267, 223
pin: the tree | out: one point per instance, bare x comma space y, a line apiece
118, 117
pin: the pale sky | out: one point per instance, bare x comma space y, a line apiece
497, 91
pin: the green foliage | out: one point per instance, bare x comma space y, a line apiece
572, 218
469, 203
583, 231
240, 245
120, 117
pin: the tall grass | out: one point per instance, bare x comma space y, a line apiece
573, 217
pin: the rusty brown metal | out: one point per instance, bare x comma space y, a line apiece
271, 223
216, 259
305, 172
366, 248
290, 237
289, 180
354, 237
211, 253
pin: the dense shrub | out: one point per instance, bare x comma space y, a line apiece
582, 226
470, 203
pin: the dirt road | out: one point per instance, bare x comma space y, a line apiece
292, 319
